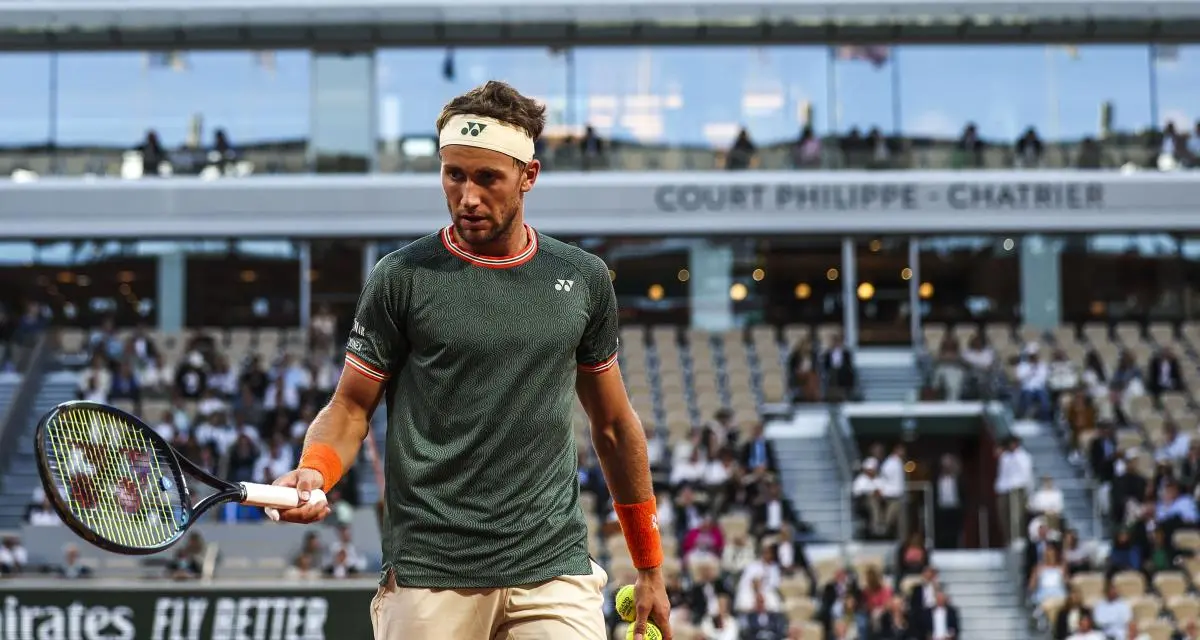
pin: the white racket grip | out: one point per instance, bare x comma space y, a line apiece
274, 498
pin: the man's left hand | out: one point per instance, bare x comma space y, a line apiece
650, 594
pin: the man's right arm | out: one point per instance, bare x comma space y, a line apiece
343, 423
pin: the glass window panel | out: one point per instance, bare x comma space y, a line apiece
25, 113
343, 133
113, 98
414, 84
1059, 91
701, 96
1178, 71
803, 280
863, 89
970, 279
1122, 277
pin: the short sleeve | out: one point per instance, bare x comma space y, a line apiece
377, 346
598, 349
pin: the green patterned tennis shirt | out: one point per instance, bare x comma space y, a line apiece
480, 356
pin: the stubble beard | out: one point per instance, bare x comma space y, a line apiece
500, 228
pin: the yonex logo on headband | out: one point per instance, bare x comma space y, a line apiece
473, 129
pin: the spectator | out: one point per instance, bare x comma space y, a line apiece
1014, 477
979, 358
1087, 631
841, 377
341, 566
72, 568
1161, 556
948, 496
1070, 616
894, 623
943, 619
125, 386
804, 380
970, 148
1077, 555
1124, 555
191, 378
742, 153
806, 151
1081, 416
921, 600
833, 597
763, 623
13, 556
1175, 445
1063, 379
351, 556
1164, 374
762, 576
721, 623
1047, 501
1112, 614
277, 461
1049, 578
1033, 376
911, 557
706, 588
867, 493
893, 483
1126, 384
949, 374
302, 570
1189, 468
705, 541
95, 383
1190, 630
690, 471
876, 595
1175, 510
772, 512
1029, 150
738, 555
41, 513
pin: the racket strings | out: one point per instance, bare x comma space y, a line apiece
110, 476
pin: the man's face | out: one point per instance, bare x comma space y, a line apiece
484, 191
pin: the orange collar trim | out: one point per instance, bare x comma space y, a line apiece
491, 262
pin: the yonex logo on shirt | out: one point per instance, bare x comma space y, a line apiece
473, 128
564, 285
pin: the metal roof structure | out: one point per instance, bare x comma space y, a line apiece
278, 24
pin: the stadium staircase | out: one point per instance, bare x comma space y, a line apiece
887, 374
1049, 459
809, 473
19, 482
984, 587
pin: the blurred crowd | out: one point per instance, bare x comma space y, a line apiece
822, 373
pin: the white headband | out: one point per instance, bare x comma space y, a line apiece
487, 133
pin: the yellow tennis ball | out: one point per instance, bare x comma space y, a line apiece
651, 633
626, 604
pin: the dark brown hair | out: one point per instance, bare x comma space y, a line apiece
495, 99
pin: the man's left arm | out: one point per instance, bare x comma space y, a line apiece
620, 444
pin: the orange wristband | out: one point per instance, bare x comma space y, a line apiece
639, 523
321, 457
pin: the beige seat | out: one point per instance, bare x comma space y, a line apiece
1089, 584
1146, 608
1184, 608
1130, 584
1170, 584
1157, 629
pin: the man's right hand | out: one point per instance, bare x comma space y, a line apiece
305, 481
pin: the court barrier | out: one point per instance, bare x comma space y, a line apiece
85, 610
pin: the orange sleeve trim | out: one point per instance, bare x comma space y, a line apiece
639, 523
365, 368
321, 457
600, 367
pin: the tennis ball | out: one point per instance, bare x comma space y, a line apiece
651, 633
626, 605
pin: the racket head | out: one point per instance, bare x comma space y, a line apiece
112, 479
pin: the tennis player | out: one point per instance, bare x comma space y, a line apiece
480, 336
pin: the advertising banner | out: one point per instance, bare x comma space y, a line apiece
312, 612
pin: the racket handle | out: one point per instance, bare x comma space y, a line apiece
271, 496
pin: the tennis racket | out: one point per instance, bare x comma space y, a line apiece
120, 486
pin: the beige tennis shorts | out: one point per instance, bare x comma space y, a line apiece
565, 608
